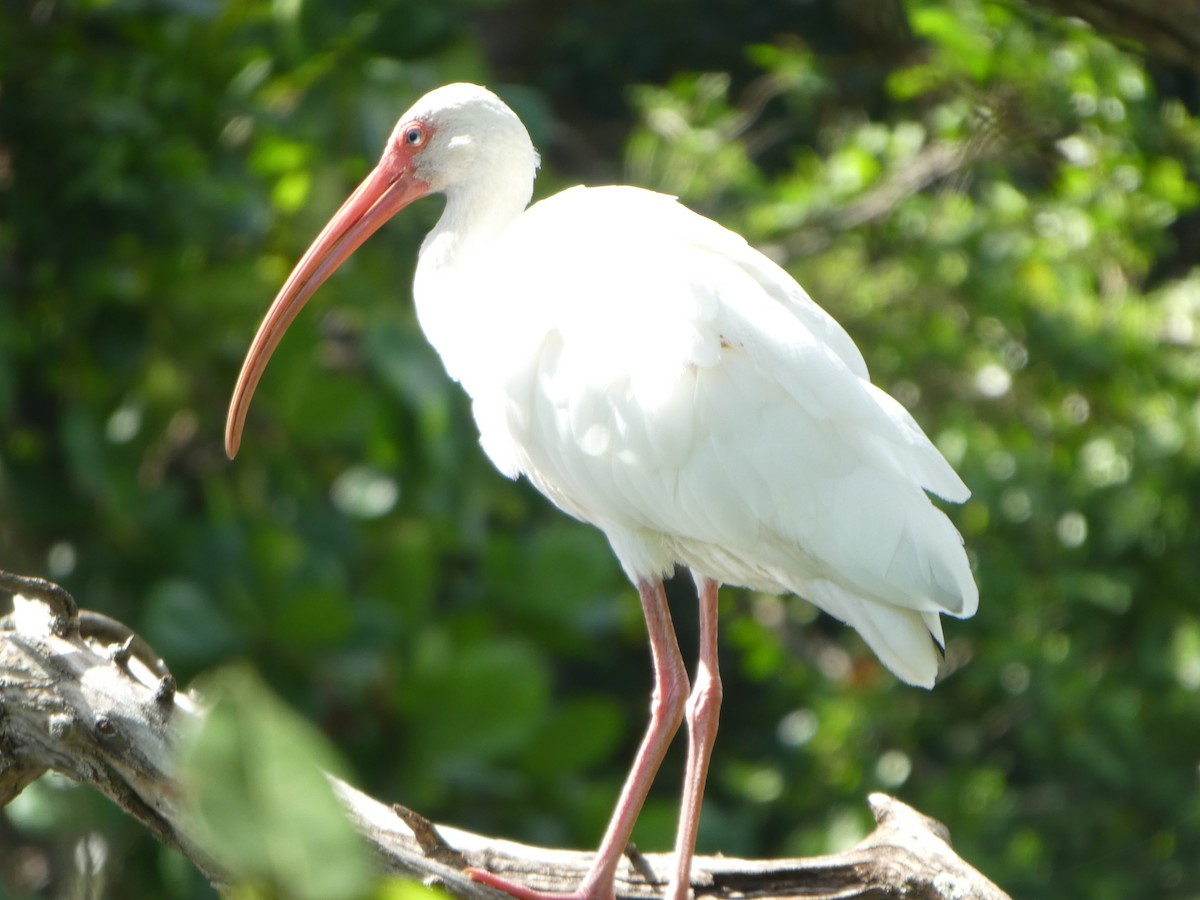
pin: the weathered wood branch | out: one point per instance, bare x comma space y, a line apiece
81, 695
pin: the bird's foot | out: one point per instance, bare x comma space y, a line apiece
583, 892
521, 892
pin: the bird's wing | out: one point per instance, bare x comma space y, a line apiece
651, 278
689, 398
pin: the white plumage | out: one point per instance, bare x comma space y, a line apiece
654, 375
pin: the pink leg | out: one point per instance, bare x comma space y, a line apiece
666, 714
703, 713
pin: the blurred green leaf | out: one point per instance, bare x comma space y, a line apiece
577, 735
487, 698
401, 889
259, 798
185, 625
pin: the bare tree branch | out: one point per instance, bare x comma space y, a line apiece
1168, 30
81, 695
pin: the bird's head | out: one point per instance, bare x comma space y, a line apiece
455, 138
459, 135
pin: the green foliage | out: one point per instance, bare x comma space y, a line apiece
259, 800
1003, 215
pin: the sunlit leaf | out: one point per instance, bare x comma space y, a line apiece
260, 800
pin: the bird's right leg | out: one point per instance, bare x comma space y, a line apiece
702, 713
666, 714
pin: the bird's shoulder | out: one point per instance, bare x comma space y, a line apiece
621, 257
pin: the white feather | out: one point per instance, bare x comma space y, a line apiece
654, 375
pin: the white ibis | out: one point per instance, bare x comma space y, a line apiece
652, 374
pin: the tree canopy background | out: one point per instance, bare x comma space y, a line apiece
998, 204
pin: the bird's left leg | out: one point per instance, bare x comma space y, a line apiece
702, 714
668, 708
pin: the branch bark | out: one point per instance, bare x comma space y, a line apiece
82, 695
1168, 30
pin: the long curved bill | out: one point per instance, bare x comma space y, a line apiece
382, 194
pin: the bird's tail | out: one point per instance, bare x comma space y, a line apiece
907, 641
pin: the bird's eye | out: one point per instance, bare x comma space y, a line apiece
414, 136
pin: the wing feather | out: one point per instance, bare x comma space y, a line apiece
688, 397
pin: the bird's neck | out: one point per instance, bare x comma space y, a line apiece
477, 211
451, 306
